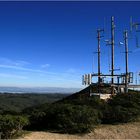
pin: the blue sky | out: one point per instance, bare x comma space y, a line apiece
51, 44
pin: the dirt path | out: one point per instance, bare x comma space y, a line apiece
126, 131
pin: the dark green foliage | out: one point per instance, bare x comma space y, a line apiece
72, 118
66, 115
66, 118
32, 110
92, 101
74, 115
11, 125
37, 120
15, 103
126, 100
122, 108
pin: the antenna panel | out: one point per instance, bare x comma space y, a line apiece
122, 80
83, 82
130, 78
86, 79
89, 79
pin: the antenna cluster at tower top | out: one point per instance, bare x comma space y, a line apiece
126, 77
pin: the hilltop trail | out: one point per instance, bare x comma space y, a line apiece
121, 131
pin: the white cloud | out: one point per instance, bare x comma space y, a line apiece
20, 65
25, 69
6, 61
45, 65
71, 76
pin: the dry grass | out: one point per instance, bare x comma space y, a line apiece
121, 131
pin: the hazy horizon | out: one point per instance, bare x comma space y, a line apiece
7, 89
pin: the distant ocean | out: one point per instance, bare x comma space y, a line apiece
38, 90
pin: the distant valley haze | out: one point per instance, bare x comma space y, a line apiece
38, 90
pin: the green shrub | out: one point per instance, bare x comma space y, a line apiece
126, 100
72, 118
37, 121
122, 108
82, 115
66, 118
10, 125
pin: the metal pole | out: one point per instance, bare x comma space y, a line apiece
99, 62
99, 71
112, 52
126, 60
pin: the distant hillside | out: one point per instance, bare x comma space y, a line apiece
85, 93
17, 102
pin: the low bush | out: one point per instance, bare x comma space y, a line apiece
82, 115
122, 108
72, 118
66, 118
37, 120
11, 125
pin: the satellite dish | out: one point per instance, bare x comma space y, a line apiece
121, 43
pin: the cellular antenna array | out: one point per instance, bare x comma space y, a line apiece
124, 80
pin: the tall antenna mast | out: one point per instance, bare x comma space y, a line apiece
99, 71
126, 59
112, 52
99, 52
